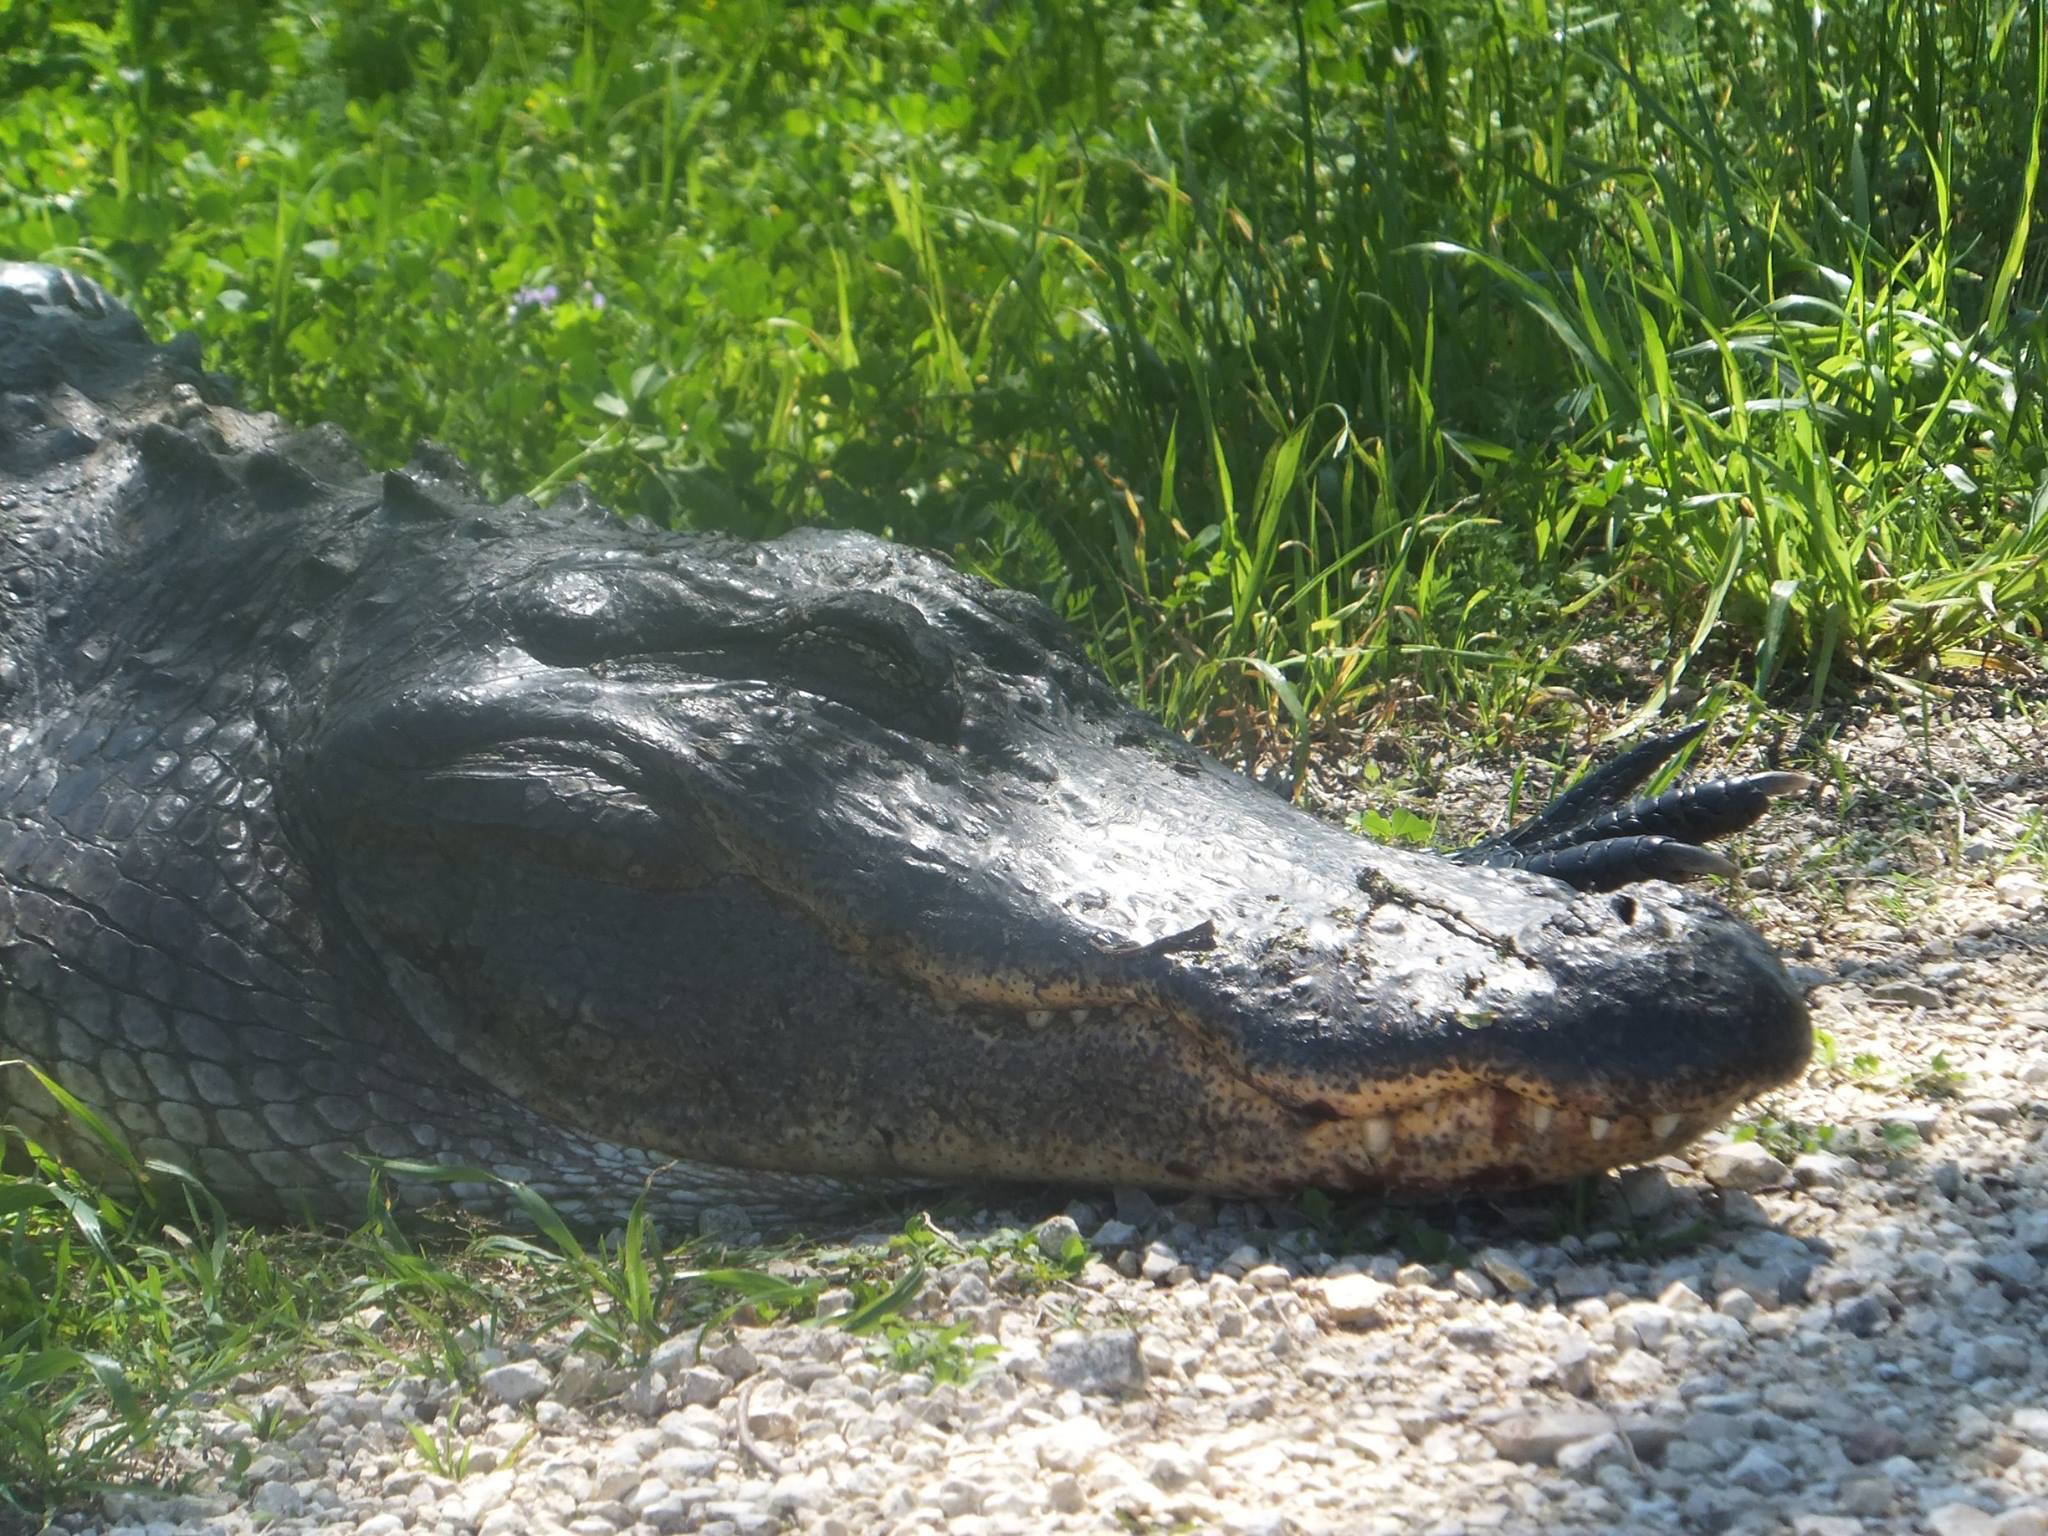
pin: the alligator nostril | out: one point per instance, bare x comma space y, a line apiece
1625, 908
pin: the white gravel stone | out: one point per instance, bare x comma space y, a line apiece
1736, 1303
1353, 1301
1743, 1165
1760, 1469
2013, 1268
1959, 1519
1636, 1372
1539, 1435
1821, 1170
1923, 1120
703, 1387
1502, 1268
1064, 1495
1113, 1235
1071, 1446
1158, 1263
517, 1383
1866, 1496
1172, 1468
1826, 1525
1648, 1322
1473, 1285
1581, 1457
1105, 1363
282, 1501
733, 1360
1052, 1235
579, 1379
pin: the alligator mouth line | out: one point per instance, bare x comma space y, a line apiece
1489, 1136
1447, 1131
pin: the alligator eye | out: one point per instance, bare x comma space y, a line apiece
579, 616
872, 653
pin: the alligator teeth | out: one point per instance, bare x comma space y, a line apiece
1539, 1117
1379, 1134
1664, 1127
1598, 1128
1038, 1018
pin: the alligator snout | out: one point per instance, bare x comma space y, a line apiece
1582, 1033
1477, 1027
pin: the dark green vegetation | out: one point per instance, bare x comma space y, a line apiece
1316, 360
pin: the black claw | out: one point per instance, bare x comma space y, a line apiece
1601, 788
1698, 813
1617, 861
1590, 839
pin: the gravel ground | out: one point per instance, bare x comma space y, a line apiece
1836, 1327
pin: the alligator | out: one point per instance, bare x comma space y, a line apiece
351, 823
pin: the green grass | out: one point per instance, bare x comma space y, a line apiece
117, 1310
1318, 360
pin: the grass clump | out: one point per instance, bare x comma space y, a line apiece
117, 1311
113, 1313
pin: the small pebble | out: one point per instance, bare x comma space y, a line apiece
1743, 1165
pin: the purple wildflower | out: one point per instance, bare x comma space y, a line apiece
533, 298
546, 296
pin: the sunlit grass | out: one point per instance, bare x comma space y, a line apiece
1318, 362
116, 1308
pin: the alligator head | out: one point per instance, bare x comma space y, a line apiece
347, 813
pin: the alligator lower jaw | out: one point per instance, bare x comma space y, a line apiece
1487, 1137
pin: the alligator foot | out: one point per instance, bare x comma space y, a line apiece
1593, 840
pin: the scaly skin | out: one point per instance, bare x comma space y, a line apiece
345, 815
